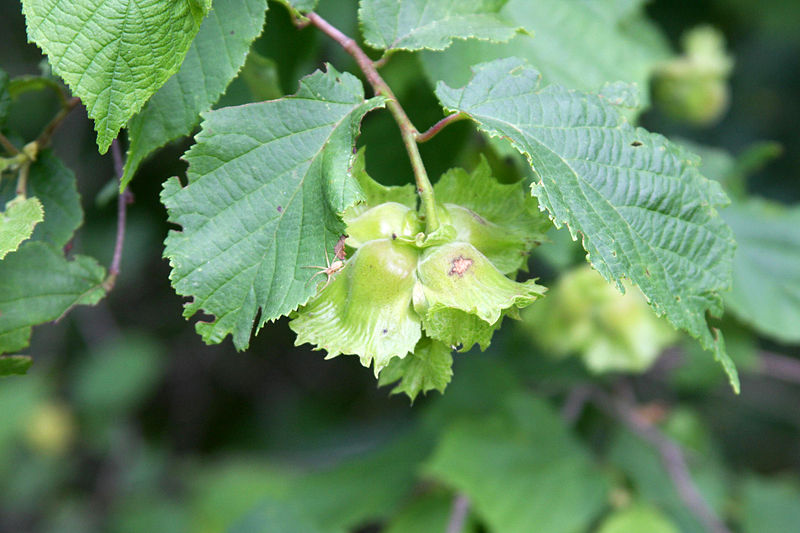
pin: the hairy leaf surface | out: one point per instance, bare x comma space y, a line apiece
432, 24
766, 269
114, 54
644, 211
37, 285
267, 183
213, 59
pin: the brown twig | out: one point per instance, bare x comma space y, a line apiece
575, 402
407, 130
671, 456
439, 126
458, 514
124, 198
10, 148
44, 139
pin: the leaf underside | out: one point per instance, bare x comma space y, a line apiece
215, 56
17, 223
644, 211
431, 24
114, 54
267, 183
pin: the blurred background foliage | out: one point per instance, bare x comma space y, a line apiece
128, 423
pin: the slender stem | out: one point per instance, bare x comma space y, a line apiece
575, 402
407, 130
458, 514
22, 179
671, 456
44, 139
439, 126
10, 148
123, 200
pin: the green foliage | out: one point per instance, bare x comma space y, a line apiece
770, 506
611, 331
766, 270
215, 56
55, 185
17, 222
284, 168
429, 367
577, 43
5, 96
37, 285
129, 423
636, 519
14, 365
114, 55
489, 459
431, 24
644, 210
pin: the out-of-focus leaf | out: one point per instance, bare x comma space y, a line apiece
638, 519
14, 365
770, 505
275, 516
37, 285
766, 268
521, 470
112, 379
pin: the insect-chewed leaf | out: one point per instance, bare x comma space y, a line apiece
643, 208
267, 185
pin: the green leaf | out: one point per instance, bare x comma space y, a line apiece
637, 519
504, 221
275, 516
267, 183
14, 365
766, 268
428, 513
376, 193
430, 367
578, 43
770, 505
642, 207
521, 467
215, 56
115, 376
301, 5
114, 55
55, 185
37, 285
17, 222
5, 96
432, 24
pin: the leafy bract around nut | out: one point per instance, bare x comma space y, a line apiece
584, 315
404, 299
